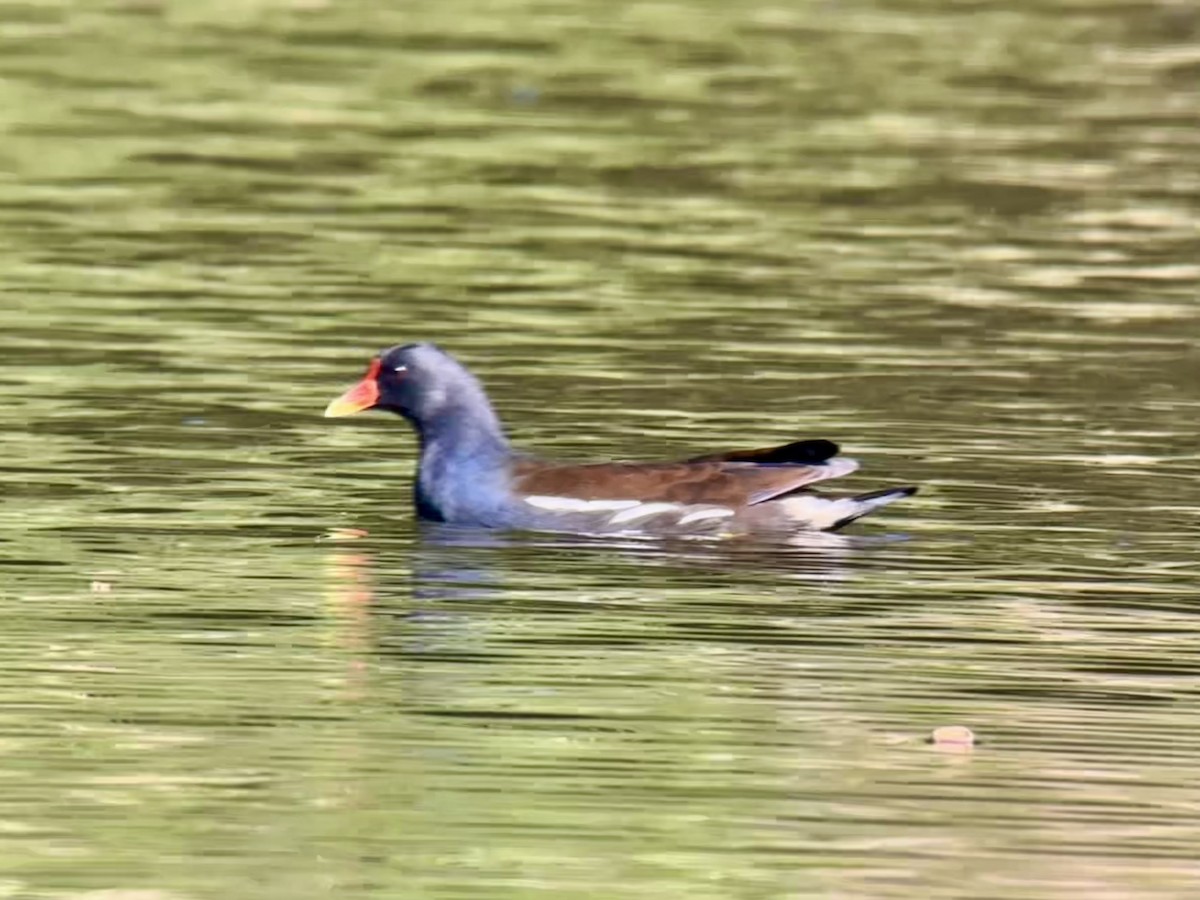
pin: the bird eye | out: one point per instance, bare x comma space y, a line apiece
400, 369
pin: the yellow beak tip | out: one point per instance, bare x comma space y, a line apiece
363, 395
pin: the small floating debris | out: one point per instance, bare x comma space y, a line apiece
953, 739
344, 534
101, 587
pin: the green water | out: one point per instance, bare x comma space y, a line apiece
961, 239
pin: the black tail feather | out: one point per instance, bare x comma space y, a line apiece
872, 500
797, 453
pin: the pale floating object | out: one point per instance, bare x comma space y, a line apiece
953, 738
101, 587
344, 534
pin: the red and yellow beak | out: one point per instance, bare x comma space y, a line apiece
362, 396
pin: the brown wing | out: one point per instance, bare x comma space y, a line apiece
714, 481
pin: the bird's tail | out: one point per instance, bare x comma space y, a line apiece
861, 504
810, 511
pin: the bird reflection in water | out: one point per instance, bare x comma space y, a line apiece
454, 563
443, 599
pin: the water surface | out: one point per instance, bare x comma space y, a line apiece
960, 239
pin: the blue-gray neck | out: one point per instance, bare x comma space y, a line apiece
463, 467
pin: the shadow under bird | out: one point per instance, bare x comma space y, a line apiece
469, 474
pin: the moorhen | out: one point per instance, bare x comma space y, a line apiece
468, 474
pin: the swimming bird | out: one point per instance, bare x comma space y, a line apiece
468, 473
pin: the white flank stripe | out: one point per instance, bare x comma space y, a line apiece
574, 504
642, 510
702, 514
